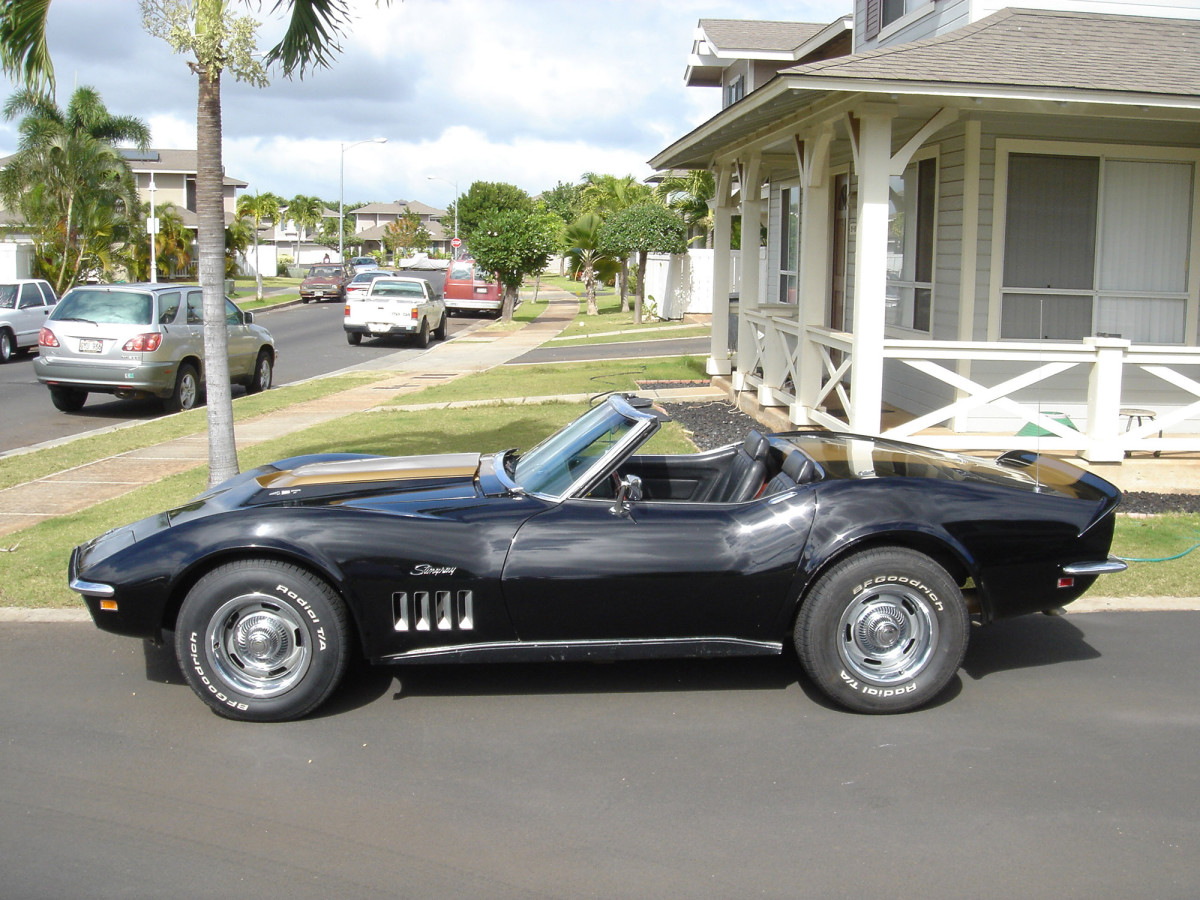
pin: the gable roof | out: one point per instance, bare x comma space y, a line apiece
1020, 54
720, 42
173, 161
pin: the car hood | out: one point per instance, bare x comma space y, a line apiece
371, 469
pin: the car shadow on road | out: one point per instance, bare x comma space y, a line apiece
1023, 643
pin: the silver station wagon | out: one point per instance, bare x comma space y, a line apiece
143, 340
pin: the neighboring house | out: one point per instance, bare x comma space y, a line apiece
976, 231
372, 220
174, 175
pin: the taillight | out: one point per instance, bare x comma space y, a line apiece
46, 338
347, 309
415, 314
144, 343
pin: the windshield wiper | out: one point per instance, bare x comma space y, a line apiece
74, 319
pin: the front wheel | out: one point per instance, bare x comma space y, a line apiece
883, 631
264, 368
262, 640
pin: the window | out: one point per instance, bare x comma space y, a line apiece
168, 307
735, 90
789, 244
882, 13
911, 212
31, 296
1095, 245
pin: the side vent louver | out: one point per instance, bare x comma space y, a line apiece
442, 610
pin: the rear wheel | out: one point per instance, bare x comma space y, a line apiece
262, 640
7, 345
440, 331
883, 631
264, 370
353, 338
422, 338
187, 390
68, 399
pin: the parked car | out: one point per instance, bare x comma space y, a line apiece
362, 263
359, 285
469, 288
324, 281
857, 550
143, 340
396, 306
24, 305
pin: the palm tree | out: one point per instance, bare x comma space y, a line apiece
258, 208
586, 257
688, 193
305, 213
172, 244
309, 41
66, 169
607, 195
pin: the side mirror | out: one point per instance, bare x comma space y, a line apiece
248, 318
629, 491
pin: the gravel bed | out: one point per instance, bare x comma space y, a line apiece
716, 423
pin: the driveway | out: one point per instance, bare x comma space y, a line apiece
1061, 764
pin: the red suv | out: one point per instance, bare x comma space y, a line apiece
469, 288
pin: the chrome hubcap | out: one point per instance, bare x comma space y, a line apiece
187, 392
888, 635
258, 646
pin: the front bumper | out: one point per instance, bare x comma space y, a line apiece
108, 377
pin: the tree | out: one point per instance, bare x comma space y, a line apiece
172, 244
484, 198
514, 243
607, 195
219, 42
305, 213
258, 208
564, 200
643, 229
407, 233
586, 256
68, 175
238, 236
688, 193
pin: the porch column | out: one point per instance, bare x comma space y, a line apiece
1104, 400
872, 162
816, 205
719, 359
751, 191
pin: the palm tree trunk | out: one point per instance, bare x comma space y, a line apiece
210, 213
589, 285
62, 272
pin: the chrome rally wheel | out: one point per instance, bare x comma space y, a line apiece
258, 646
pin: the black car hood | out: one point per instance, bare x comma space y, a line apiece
352, 473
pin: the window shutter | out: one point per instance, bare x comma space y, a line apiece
872, 25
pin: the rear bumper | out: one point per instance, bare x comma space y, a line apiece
377, 330
474, 305
156, 378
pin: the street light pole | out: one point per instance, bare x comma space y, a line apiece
152, 227
455, 184
342, 193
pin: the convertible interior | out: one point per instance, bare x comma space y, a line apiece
735, 474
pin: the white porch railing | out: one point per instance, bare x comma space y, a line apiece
1107, 363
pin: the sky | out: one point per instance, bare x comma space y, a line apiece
531, 92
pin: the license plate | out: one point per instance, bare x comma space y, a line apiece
89, 345
481, 290
379, 328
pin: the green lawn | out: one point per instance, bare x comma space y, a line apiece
557, 380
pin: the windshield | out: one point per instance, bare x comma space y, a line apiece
382, 287
324, 272
106, 307
366, 277
567, 455
460, 271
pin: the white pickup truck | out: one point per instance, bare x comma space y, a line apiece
394, 306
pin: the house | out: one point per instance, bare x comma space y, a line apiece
371, 222
173, 175
982, 225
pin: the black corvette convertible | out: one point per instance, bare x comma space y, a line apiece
870, 555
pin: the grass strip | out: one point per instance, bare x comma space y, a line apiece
23, 467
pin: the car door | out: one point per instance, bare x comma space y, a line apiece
30, 314
658, 570
243, 344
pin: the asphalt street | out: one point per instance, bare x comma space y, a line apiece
1061, 764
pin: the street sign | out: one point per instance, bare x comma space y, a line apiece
455, 243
